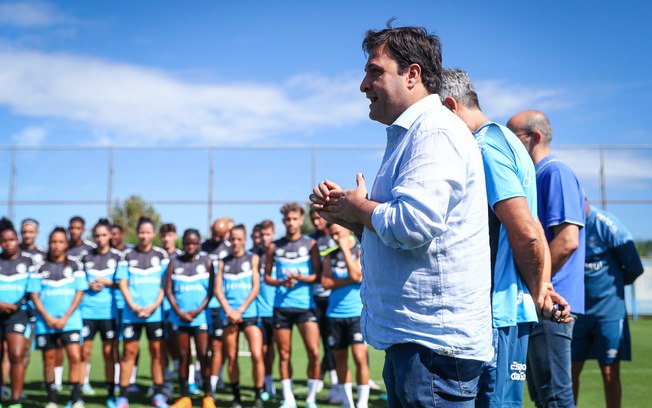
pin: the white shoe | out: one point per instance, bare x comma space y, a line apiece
51, 405
320, 386
87, 389
373, 385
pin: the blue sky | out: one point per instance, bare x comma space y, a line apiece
153, 73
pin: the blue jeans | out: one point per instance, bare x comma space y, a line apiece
416, 376
549, 365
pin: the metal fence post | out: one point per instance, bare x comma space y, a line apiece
12, 185
109, 184
211, 175
603, 183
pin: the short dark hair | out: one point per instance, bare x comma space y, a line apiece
118, 227
169, 227
6, 225
188, 232
102, 222
145, 220
266, 224
455, 83
240, 227
77, 218
289, 207
410, 45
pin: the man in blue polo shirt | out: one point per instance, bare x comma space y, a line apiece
520, 261
602, 332
560, 206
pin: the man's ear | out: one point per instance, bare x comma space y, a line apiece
414, 75
536, 138
451, 104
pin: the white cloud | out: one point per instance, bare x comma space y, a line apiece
31, 136
500, 99
624, 169
140, 105
31, 14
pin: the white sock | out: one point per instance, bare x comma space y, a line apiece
58, 375
312, 390
269, 385
191, 374
116, 373
347, 395
214, 379
134, 374
363, 396
87, 377
288, 396
333, 375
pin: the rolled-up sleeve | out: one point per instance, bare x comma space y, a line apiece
429, 182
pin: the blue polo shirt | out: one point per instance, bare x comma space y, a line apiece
561, 200
509, 173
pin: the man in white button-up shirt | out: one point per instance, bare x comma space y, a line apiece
425, 241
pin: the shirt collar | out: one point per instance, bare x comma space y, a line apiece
411, 114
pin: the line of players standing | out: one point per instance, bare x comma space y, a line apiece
205, 294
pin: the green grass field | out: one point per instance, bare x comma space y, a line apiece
636, 377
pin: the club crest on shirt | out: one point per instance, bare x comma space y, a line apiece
246, 266
67, 272
21, 268
303, 251
89, 265
223, 254
227, 268
155, 261
279, 252
178, 270
37, 258
201, 268
133, 262
111, 263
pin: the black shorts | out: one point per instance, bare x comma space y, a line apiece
132, 331
343, 332
267, 326
190, 330
13, 323
246, 322
51, 341
285, 317
107, 329
216, 323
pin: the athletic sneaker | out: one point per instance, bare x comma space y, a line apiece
159, 401
87, 389
334, 397
208, 402
288, 405
58, 387
110, 402
373, 385
236, 404
264, 395
183, 402
121, 402
194, 389
311, 404
51, 405
78, 404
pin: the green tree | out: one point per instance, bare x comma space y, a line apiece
127, 213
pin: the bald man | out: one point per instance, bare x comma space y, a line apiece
217, 247
560, 204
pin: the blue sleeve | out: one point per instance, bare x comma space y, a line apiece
122, 271
565, 199
430, 181
500, 171
80, 280
34, 283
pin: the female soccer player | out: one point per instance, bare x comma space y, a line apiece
343, 274
15, 268
57, 288
141, 283
236, 286
98, 306
189, 287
